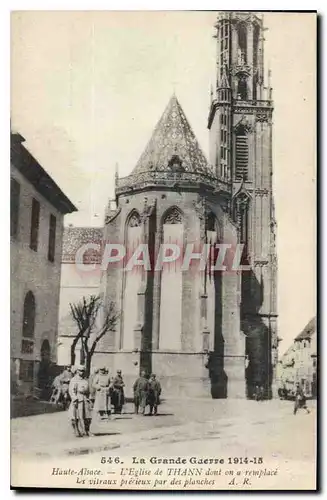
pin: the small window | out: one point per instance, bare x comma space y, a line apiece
52, 238
27, 346
26, 370
35, 221
14, 207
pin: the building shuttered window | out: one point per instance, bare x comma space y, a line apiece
52, 238
14, 207
35, 221
242, 155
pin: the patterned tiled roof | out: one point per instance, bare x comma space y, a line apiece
172, 144
308, 331
75, 237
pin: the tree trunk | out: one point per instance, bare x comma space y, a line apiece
83, 354
72, 351
88, 364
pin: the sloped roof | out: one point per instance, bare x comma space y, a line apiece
75, 237
173, 143
31, 169
308, 331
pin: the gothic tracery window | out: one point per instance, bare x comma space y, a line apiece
134, 220
173, 217
131, 284
242, 43
241, 216
171, 284
242, 89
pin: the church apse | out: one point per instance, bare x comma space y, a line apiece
162, 329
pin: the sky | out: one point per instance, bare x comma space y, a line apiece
87, 89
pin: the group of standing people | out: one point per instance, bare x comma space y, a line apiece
146, 392
91, 398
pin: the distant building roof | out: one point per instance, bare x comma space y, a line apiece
308, 331
30, 168
75, 237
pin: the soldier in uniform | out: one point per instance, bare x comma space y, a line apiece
154, 394
117, 397
300, 399
65, 379
101, 384
92, 388
140, 388
79, 410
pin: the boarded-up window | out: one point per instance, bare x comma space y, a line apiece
14, 207
35, 221
171, 287
242, 154
52, 238
132, 282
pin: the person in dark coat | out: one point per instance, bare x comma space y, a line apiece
154, 394
117, 395
140, 388
300, 399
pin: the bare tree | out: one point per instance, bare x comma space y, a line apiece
85, 314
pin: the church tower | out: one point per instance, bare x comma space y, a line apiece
240, 125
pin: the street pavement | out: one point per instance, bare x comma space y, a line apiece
51, 434
200, 428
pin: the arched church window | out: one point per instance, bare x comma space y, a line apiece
242, 88
171, 284
28, 324
256, 32
131, 283
45, 350
134, 220
211, 222
174, 216
242, 153
242, 43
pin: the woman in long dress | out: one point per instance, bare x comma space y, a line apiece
102, 386
79, 409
